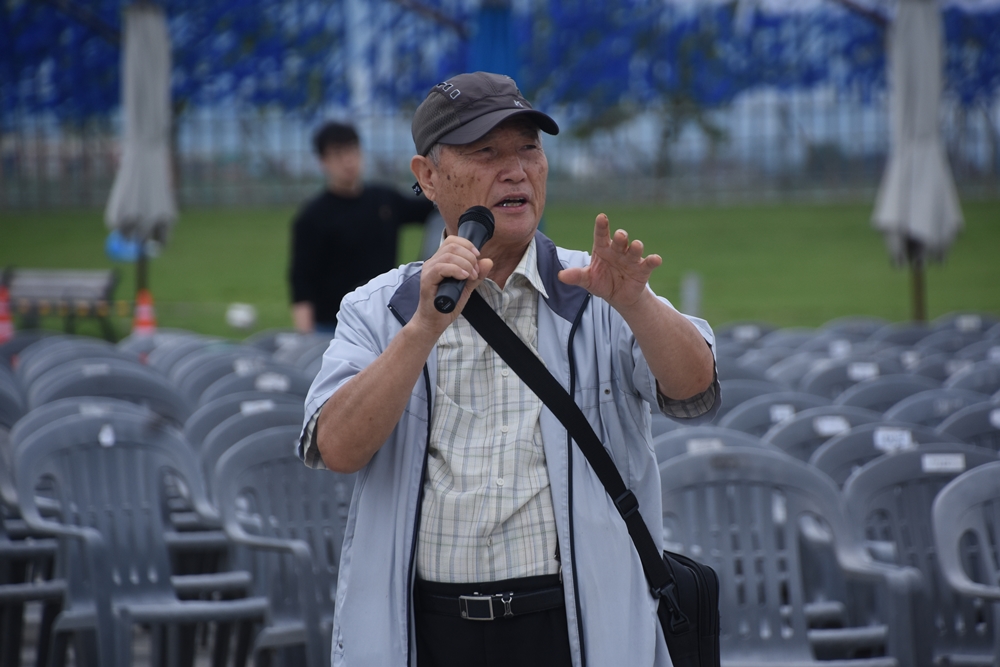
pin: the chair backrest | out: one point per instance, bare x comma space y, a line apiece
213, 413
890, 500
660, 423
802, 434
901, 333
107, 477
173, 349
931, 407
966, 522
198, 370
62, 351
786, 337
741, 510
265, 491
113, 378
277, 378
272, 340
11, 402
735, 392
84, 406
881, 393
983, 376
843, 454
831, 377
949, 341
233, 429
788, 372
987, 349
758, 414
730, 368
977, 424
695, 439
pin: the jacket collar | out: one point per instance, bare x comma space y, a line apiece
564, 300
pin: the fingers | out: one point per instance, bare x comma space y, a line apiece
574, 276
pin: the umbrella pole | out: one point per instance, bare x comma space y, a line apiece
917, 280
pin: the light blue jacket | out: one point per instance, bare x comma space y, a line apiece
610, 611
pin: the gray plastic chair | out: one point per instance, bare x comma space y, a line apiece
786, 337
10, 352
213, 413
804, 433
757, 415
881, 393
660, 423
966, 522
694, 439
983, 377
112, 378
764, 357
965, 321
987, 349
842, 455
729, 368
931, 407
889, 501
860, 327
276, 378
272, 340
948, 341
735, 392
901, 333
741, 510
233, 429
831, 377
746, 333
107, 473
978, 424
292, 519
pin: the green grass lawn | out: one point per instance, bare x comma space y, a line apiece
787, 264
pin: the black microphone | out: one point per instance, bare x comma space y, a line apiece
476, 224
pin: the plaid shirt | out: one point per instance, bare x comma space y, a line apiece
487, 510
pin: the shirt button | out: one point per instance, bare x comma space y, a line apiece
499, 481
489, 541
505, 372
504, 428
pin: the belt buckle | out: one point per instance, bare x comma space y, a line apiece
476, 607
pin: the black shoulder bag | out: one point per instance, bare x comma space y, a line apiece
688, 591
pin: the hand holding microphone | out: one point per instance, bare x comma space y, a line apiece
476, 225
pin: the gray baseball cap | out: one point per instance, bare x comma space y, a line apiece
467, 106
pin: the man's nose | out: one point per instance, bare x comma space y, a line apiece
512, 168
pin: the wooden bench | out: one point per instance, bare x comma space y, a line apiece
68, 293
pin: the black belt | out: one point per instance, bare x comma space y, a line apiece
491, 607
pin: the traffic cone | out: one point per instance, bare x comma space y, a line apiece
144, 318
6, 323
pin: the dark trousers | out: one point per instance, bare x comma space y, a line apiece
536, 639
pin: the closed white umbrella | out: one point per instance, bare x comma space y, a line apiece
141, 205
917, 206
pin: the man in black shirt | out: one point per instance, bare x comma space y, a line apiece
346, 235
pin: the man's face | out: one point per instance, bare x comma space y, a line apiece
504, 171
342, 166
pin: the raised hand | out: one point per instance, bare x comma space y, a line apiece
618, 272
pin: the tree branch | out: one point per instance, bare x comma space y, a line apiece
435, 15
870, 14
88, 18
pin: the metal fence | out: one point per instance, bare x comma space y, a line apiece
768, 144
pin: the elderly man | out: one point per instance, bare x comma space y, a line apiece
467, 485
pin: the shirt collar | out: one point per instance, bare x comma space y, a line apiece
528, 268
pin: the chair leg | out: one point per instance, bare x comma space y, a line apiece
49, 612
244, 638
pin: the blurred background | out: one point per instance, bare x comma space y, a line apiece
745, 141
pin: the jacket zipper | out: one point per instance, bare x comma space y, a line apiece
569, 485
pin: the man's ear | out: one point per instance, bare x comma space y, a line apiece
424, 171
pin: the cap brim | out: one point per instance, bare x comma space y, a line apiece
479, 127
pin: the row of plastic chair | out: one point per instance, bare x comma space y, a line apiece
810, 573
91, 476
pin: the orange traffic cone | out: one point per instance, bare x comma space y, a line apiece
6, 323
144, 318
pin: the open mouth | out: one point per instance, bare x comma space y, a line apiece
512, 201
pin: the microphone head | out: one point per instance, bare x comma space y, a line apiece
483, 216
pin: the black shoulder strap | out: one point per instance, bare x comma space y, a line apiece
538, 378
